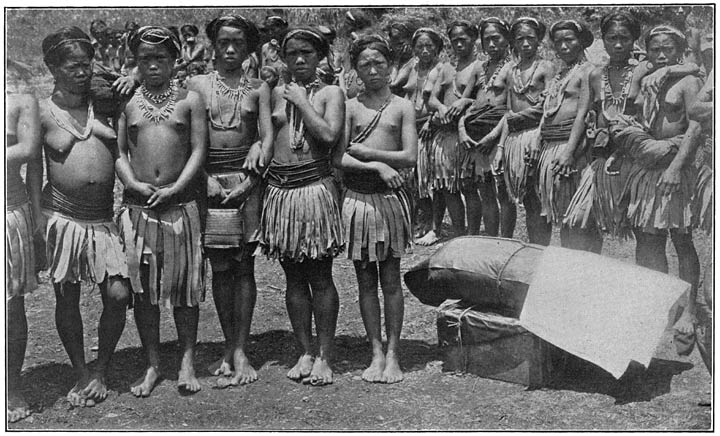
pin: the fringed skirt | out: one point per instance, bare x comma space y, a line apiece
423, 168
299, 223
83, 250
377, 226
649, 210
515, 170
598, 197
19, 252
476, 165
703, 202
447, 157
169, 242
556, 191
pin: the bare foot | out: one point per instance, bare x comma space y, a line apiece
221, 367
321, 373
95, 390
392, 373
244, 372
302, 368
17, 407
374, 372
430, 238
686, 324
187, 381
75, 397
145, 384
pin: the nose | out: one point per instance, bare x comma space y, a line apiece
230, 49
300, 60
373, 70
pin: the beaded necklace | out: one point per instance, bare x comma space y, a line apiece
521, 88
151, 112
608, 95
557, 87
66, 122
295, 119
219, 90
488, 83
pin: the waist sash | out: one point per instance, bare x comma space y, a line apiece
298, 174
75, 207
16, 194
365, 183
225, 160
480, 120
524, 120
557, 132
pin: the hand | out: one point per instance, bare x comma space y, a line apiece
425, 132
497, 166
160, 196
295, 93
485, 145
465, 140
457, 108
124, 85
612, 166
144, 189
532, 153
214, 188
257, 159
442, 115
652, 82
564, 166
669, 181
359, 151
390, 176
240, 193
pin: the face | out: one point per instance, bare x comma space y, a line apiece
399, 44
461, 42
231, 47
526, 42
662, 51
75, 71
618, 42
302, 59
155, 64
189, 36
373, 69
567, 45
494, 43
425, 49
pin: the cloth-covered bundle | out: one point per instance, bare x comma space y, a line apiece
169, 241
19, 251
644, 149
493, 273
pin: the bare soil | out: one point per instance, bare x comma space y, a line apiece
664, 396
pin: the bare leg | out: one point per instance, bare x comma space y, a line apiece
17, 333
438, 213
186, 324
394, 310
577, 238
223, 290
508, 209
539, 230
650, 250
689, 270
299, 306
490, 209
70, 328
424, 216
456, 208
115, 294
147, 320
370, 310
325, 304
474, 206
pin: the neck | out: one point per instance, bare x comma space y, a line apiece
228, 72
158, 89
526, 62
305, 81
619, 62
466, 59
68, 99
381, 93
426, 65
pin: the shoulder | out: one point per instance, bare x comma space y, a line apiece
546, 66
24, 102
691, 82
596, 73
190, 96
402, 104
197, 83
256, 83
331, 92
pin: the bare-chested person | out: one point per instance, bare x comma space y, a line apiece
381, 138
447, 154
562, 134
301, 223
481, 118
239, 126
525, 80
22, 210
161, 135
83, 242
661, 182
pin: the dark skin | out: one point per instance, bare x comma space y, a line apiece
310, 287
23, 147
392, 145
165, 159
234, 288
83, 168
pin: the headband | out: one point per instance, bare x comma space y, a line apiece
666, 30
237, 21
67, 35
401, 27
155, 35
437, 39
622, 17
532, 22
583, 33
313, 36
59, 44
375, 42
470, 29
502, 25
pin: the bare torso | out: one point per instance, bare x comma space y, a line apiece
387, 133
492, 91
566, 100
526, 84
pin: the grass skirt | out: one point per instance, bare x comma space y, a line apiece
19, 252
168, 240
301, 222
377, 226
703, 202
598, 197
447, 157
555, 191
648, 210
423, 168
516, 171
83, 250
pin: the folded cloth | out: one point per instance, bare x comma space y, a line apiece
19, 251
603, 310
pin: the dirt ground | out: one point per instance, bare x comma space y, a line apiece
663, 397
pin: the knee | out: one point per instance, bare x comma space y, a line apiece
681, 239
468, 187
118, 291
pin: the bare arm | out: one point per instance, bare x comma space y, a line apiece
327, 128
395, 158
27, 132
565, 164
198, 144
33, 186
701, 110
